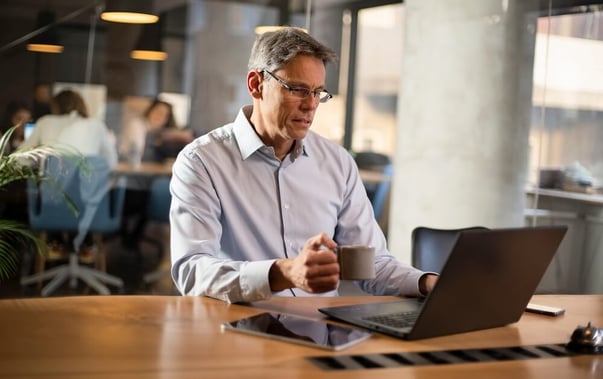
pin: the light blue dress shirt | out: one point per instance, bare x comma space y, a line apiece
236, 208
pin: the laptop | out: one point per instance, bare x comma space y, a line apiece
486, 282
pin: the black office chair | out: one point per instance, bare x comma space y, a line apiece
376, 192
431, 246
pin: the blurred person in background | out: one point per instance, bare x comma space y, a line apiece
69, 125
42, 95
17, 114
152, 137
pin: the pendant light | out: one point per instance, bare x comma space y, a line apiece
129, 11
148, 46
47, 40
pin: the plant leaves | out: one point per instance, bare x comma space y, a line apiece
13, 237
21, 165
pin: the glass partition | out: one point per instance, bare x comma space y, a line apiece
566, 154
377, 78
567, 113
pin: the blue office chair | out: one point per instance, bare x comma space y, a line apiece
158, 210
376, 192
100, 206
430, 247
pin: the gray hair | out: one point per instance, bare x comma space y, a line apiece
273, 50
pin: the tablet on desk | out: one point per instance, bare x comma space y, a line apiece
299, 330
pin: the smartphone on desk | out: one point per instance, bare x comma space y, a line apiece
313, 333
544, 309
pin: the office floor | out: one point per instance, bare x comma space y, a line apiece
128, 264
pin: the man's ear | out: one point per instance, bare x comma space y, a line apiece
255, 84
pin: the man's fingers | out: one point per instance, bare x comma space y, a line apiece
320, 240
317, 271
322, 284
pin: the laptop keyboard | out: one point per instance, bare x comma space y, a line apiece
396, 320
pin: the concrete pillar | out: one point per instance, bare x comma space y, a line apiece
464, 116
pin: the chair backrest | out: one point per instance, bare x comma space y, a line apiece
431, 246
99, 204
47, 200
376, 192
159, 200
370, 159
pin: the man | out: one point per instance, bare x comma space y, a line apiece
257, 204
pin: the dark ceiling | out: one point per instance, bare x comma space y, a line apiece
27, 9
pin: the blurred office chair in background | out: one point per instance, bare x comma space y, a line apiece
430, 247
377, 191
99, 205
158, 211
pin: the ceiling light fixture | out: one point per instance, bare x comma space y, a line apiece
148, 46
32, 35
47, 40
129, 12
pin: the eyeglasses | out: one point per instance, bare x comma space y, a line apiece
321, 94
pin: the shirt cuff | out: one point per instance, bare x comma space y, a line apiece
420, 277
254, 283
410, 284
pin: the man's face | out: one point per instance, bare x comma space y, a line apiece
287, 117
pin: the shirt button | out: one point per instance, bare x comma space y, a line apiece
286, 206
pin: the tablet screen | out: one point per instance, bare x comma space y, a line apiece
299, 330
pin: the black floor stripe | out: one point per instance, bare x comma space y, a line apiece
442, 357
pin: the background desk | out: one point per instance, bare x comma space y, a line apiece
156, 168
374, 176
577, 266
144, 169
180, 337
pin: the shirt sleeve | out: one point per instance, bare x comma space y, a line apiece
108, 148
198, 267
357, 223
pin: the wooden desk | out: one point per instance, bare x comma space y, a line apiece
575, 268
180, 337
560, 194
144, 169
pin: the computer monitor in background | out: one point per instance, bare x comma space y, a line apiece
28, 129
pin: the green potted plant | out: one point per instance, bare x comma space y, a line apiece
23, 165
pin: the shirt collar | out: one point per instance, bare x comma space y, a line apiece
248, 140
245, 135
